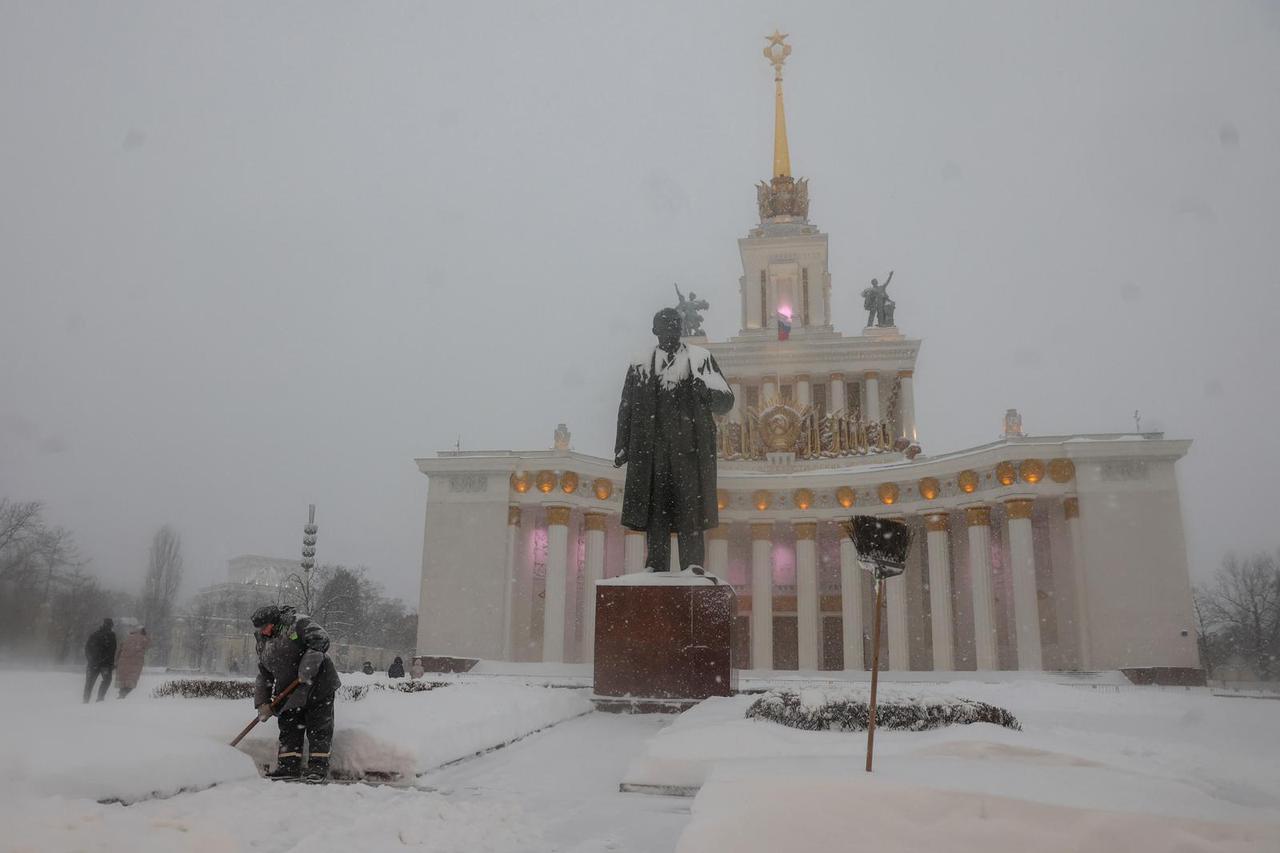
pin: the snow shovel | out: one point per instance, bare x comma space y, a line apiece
275, 703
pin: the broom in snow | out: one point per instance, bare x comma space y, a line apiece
882, 546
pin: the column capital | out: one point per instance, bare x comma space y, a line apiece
558, 515
870, 374
1071, 507
762, 530
977, 516
806, 529
906, 374
802, 377
595, 520
837, 376
629, 532
513, 515
1019, 507
936, 522
718, 532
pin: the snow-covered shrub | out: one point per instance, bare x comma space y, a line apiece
356, 692
847, 710
198, 688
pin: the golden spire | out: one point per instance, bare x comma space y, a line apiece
777, 52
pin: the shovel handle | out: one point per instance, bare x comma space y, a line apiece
275, 703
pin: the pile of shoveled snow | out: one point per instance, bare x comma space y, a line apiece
848, 709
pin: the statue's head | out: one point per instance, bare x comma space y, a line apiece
692, 296
667, 326
874, 282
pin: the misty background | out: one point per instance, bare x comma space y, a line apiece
258, 256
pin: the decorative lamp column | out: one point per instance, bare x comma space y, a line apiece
557, 577
807, 593
803, 395
508, 596
871, 389
1026, 606
762, 596
1071, 509
837, 401
940, 591
595, 522
633, 551
851, 604
895, 607
907, 403
718, 551
978, 519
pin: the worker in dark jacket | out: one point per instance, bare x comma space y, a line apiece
292, 646
100, 659
396, 670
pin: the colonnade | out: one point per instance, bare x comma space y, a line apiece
802, 395
1025, 630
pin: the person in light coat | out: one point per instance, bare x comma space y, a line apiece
129, 660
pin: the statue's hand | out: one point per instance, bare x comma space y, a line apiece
620, 459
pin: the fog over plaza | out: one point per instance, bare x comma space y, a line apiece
254, 257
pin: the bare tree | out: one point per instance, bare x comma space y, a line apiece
160, 589
1241, 612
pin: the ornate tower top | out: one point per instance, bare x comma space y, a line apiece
782, 199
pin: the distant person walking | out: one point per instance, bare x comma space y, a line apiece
396, 670
129, 660
100, 658
367, 669
289, 647
417, 670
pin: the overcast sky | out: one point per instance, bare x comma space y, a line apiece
258, 255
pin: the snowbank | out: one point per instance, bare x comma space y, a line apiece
767, 810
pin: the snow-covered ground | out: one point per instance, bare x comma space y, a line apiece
1131, 770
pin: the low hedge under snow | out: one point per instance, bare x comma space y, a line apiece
847, 710
235, 688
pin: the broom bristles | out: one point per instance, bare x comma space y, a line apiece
881, 541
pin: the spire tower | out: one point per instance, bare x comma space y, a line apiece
777, 53
783, 199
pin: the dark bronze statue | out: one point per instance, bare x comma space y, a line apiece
690, 316
878, 305
667, 440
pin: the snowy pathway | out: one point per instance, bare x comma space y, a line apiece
568, 775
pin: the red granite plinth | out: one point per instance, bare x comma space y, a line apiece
661, 647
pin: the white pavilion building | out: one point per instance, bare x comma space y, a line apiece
1054, 552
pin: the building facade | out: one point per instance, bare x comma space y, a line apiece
1049, 552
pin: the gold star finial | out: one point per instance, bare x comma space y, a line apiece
777, 52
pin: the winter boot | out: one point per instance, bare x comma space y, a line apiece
287, 768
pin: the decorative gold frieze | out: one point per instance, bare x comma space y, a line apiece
977, 516
568, 482
930, 488
595, 520
806, 529
558, 515
761, 531
1062, 470
603, 487
967, 481
803, 498
846, 496
545, 481
935, 522
1019, 508
1071, 507
1031, 471
1006, 474
888, 493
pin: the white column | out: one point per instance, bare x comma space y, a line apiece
595, 523
837, 401
509, 595
718, 551
673, 554
1026, 605
940, 591
768, 389
762, 596
522, 638
735, 414
851, 604
907, 403
984, 607
633, 551
557, 577
895, 617
871, 389
807, 593
1071, 509
803, 395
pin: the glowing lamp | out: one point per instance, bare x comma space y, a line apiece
1031, 471
568, 482
761, 499
888, 493
603, 488
845, 496
1006, 474
803, 498
967, 480
929, 488
545, 481
520, 481
1062, 470
722, 499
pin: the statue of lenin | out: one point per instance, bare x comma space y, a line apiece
667, 440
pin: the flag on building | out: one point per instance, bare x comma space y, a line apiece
784, 326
